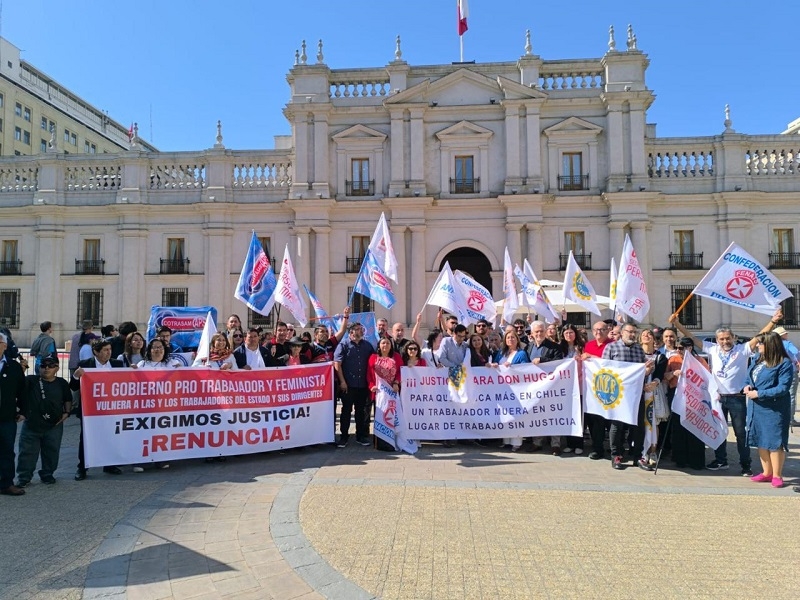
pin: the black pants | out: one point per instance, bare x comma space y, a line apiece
358, 398
597, 430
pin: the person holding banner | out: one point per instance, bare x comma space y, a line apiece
728, 361
101, 360
220, 356
542, 349
251, 354
478, 352
647, 340
295, 356
132, 353
768, 388
687, 450
626, 349
511, 353
156, 357
412, 356
386, 364
597, 424
430, 353
572, 345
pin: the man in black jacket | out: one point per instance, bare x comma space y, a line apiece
101, 360
251, 354
49, 404
541, 350
12, 411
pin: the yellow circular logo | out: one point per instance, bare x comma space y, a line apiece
607, 387
457, 377
580, 288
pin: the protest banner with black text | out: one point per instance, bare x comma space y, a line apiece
697, 403
388, 415
137, 416
482, 402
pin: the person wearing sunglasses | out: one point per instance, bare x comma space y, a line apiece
49, 402
412, 356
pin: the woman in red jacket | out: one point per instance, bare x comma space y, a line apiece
385, 364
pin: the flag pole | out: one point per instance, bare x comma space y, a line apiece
683, 304
461, 46
666, 437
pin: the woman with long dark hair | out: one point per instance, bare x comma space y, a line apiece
769, 384
572, 344
134, 350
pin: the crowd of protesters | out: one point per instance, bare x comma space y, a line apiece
757, 382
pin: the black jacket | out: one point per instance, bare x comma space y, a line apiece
12, 391
240, 356
90, 363
549, 351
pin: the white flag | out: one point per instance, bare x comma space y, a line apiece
697, 402
209, 329
389, 424
613, 389
510, 301
612, 285
533, 296
382, 249
740, 280
631, 297
288, 291
577, 288
478, 302
447, 295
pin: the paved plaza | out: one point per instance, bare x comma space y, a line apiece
463, 522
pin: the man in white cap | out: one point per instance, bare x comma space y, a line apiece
794, 354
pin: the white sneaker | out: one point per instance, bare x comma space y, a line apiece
578, 451
567, 450
138, 469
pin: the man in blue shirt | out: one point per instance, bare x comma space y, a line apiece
350, 360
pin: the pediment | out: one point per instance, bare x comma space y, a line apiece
516, 91
573, 126
459, 88
464, 129
359, 133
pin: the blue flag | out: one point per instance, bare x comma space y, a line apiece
373, 282
257, 283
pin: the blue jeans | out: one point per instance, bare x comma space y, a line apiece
8, 433
31, 444
735, 406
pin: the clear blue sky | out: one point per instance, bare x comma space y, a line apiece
196, 61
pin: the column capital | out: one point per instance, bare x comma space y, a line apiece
397, 228
514, 226
300, 230
418, 228
321, 229
534, 226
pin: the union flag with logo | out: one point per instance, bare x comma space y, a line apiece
740, 280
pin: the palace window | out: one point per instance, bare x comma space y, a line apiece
360, 184
692, 314
90, 307
360, 303
174, 296
572, 177
9, 308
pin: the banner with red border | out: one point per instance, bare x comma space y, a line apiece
133, 416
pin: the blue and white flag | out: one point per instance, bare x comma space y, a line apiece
257, 283
738, 279
373, 282
322, 317
389, 424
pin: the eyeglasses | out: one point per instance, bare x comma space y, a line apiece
480, 325
413, 349
236, 335
48, 366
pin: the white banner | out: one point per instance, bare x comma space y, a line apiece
697, 402
739, 279
288, 291
613, 389
388, 414
483, 402
133, 416
631, 292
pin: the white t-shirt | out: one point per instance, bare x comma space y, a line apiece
150, 364
216, 364
729, 369
254, 358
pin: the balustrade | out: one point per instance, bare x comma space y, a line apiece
262, 175
177, 176
570, 80
680, 163
359, 89
784, 161
97, 177
14, 178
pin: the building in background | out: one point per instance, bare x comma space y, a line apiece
541, 156
37, 113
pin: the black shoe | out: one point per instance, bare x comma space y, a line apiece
80, 474
747, 472
595, 455
364, 441
342, 443
48, 479
795, 423
112, 470
616, 463
22, 484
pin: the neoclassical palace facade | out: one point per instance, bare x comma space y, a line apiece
540, 156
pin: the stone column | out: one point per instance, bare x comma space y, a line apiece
512, 146
302, 256
397, 146
132, 259
321, 155
301, 166
47, 304
514, 241
616, 145
417, 144
616, 238
322, 269
535, 249
419, 288
400, 309
534, 148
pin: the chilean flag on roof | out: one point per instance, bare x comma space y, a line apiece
463, 14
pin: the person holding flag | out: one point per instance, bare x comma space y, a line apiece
728, 361
687, 450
